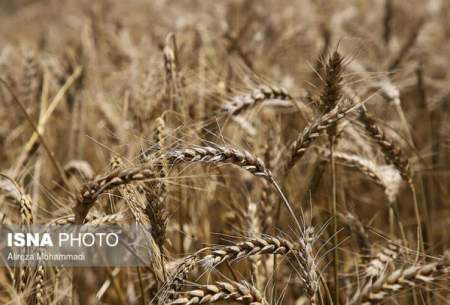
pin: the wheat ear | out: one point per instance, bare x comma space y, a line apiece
90, 220
79, 167
312, 131
137, 207
393, 282
118, 177
382, 259
39, 289
156, 191
207, 154
19, 197
331, 93
391, 151
358, 229
26, 215
263, 93
221, 291
130, 195
306, 265
300, 255
250, 247
386, 176
30, 79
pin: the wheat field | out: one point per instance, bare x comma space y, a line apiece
277, 151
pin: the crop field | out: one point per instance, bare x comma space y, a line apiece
274, 151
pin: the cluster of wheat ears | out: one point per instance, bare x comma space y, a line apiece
277, 152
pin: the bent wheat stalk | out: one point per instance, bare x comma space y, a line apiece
206, 154
120, 177
99, 186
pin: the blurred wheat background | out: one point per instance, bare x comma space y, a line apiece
278, 152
